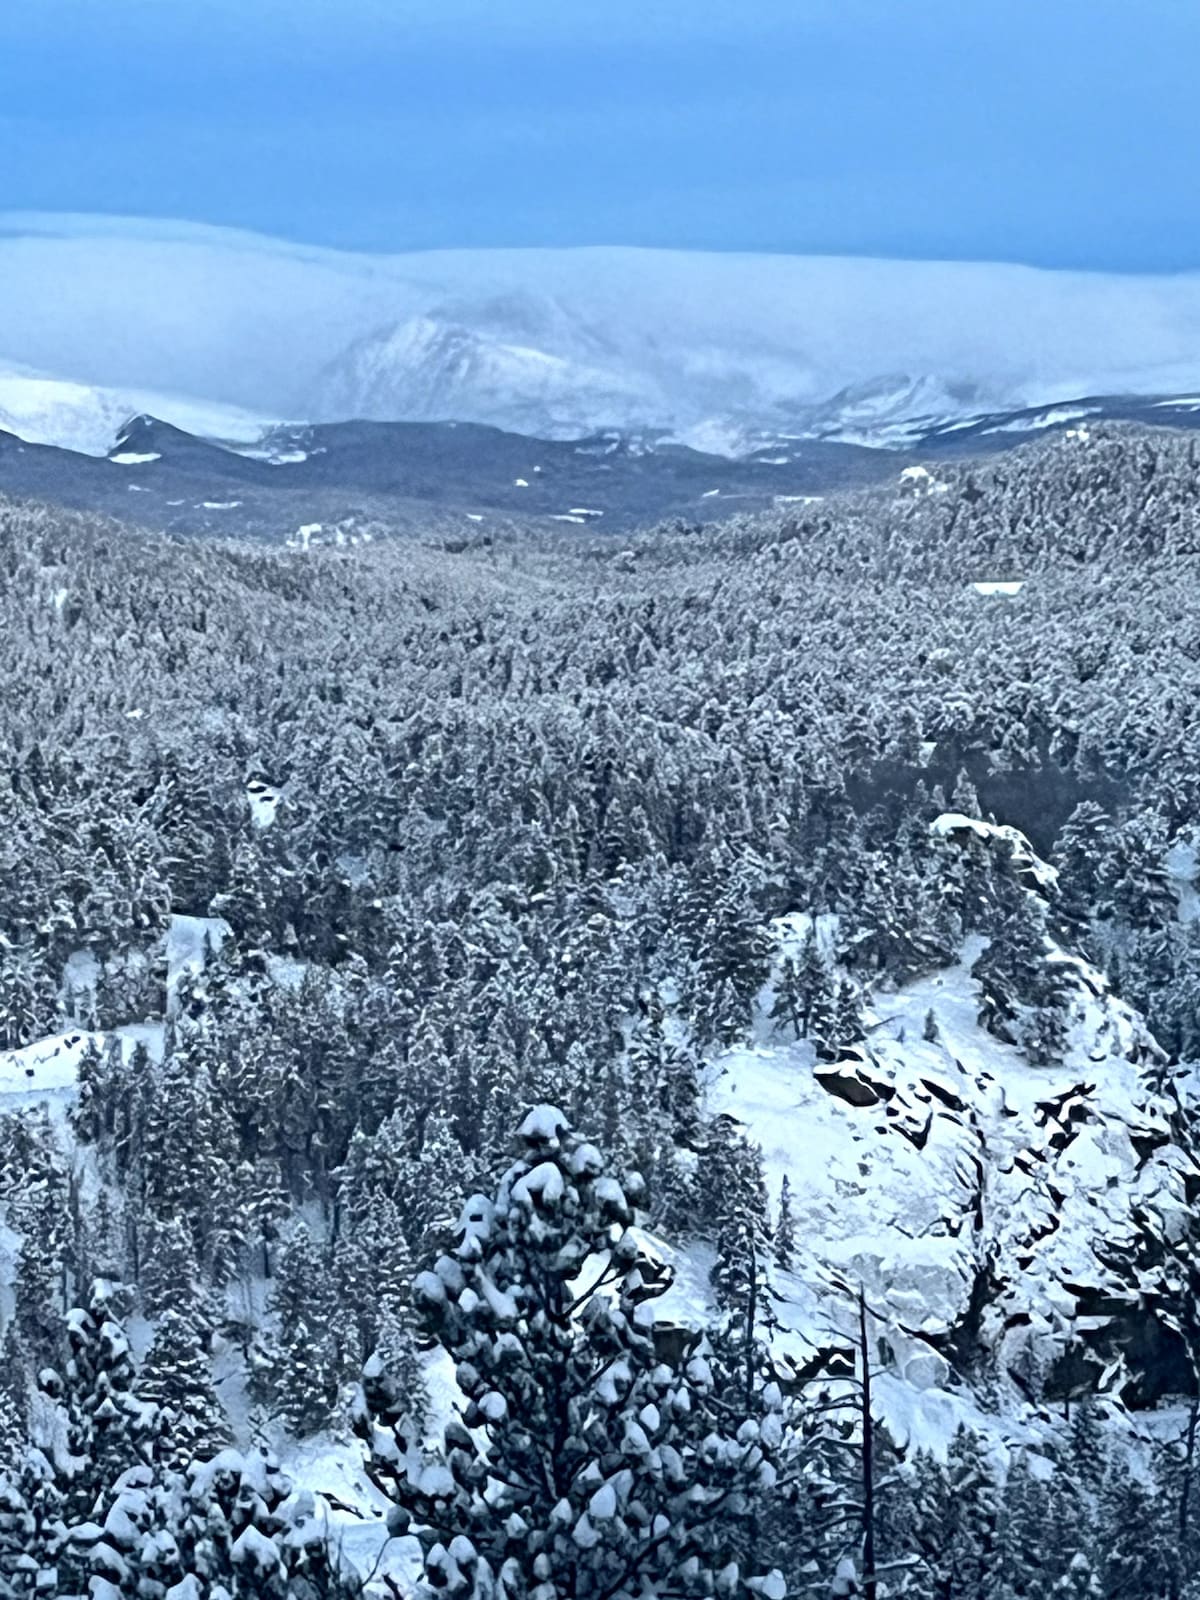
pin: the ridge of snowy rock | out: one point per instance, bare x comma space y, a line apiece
982, 1202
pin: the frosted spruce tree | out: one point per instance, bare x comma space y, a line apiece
584, 1463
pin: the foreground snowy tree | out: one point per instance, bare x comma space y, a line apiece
233, 1528
584, 1464
106, 1426
31, 1527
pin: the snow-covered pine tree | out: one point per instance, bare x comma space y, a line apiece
785, 1227
170, 1273
743, 1228
1021, 1562
233, 1528
106, 1425
791, 998
966, 1556
393, 1379
847, 1015
304, 1364
132, 1549
176, 1378
1023, 994
733, 1209
372, 1267
1137, 1538
583, 1464
40, 1274
32, 1531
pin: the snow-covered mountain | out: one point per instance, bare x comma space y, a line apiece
89, 418
717, 347
431, 368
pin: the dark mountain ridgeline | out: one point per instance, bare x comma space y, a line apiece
472, 481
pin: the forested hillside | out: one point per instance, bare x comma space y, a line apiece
769, 894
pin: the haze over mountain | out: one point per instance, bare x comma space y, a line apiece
726, 351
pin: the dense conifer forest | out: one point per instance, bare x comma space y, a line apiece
394, 908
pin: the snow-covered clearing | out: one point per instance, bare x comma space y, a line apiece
1006, 587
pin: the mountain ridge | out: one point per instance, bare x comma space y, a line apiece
346, 481
546, 341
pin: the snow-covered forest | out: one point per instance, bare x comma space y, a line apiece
549, 1067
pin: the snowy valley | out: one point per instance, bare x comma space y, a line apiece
455, 995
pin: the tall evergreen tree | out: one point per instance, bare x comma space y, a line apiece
610, 1472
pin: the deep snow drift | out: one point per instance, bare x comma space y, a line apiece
721, 348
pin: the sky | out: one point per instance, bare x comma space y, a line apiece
1054, 132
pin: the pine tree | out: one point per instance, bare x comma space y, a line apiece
372, 1266
176, 1378
1027, 1546
968, 1552
1024, 994
739, 1274
304, 1367
847, 1017
107, 1425
32, 1531
790, 1005
393, 1401
820, 1012
605, 1471
785, 1228
1078, 858
242, 1534
132, 1549
1136, 1542
170, 1278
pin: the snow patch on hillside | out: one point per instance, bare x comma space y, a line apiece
45, 1070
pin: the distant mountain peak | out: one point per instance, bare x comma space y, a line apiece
555, 342
429, 368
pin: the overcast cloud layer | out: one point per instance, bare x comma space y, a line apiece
1058, 132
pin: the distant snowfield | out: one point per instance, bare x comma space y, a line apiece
88, 418
722, 349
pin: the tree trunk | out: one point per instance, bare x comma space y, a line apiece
1185, 1499
868, 1455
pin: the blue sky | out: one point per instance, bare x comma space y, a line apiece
1058, 132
